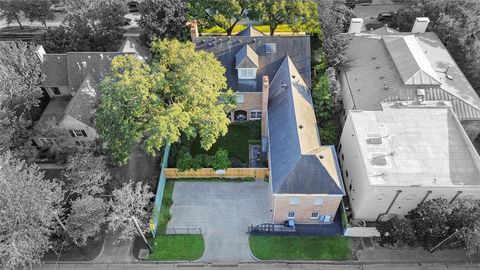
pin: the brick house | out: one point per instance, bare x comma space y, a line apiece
71, 82
385, 65
305, 181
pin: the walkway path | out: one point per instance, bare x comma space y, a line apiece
115, 250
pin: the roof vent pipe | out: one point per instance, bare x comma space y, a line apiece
420, 26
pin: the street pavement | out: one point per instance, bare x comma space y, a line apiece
256, 266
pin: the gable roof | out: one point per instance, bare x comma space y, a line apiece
372, 76
132, 46
54, 67
226, 48
411, 63
250, 31
82, 105
294, 143
82, 63
246, 58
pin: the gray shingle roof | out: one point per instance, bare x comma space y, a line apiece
246, 58
82, 105
294, 143
54, 67
250, 31
225, 49
82, 63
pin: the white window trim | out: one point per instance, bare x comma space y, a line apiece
45, 141
312, 216
247, 73
288, 215
256, 114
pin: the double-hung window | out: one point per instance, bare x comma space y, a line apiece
247, 73
255, 114
78, 133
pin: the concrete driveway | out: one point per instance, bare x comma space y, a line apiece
223, 211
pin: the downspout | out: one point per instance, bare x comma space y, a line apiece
426, 195
456, 196
390, 206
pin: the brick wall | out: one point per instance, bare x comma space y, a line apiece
305, 207
251, 101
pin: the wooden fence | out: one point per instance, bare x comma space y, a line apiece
257, 173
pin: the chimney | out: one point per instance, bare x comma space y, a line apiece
40, 51
265, 90
420, 26
194, 30
355, 26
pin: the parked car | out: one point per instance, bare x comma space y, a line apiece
133, 6
385, 16
350, 3
58, 8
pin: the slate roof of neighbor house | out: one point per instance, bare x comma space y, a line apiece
226, 48
298, 163
421, 148
83, 103
250, 31
387, 65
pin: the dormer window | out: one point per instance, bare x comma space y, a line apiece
246, 63
247, 73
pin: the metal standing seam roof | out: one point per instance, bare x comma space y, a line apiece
372, 76
82, 105
412, 65
250, 31
296, 165
246, 58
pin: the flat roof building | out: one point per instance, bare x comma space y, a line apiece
394, 159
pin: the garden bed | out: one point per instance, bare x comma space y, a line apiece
236, 141
300, 247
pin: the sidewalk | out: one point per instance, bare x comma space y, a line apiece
115, 251
372, 252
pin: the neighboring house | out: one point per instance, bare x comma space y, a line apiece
385, 65
71, 81
304, 175
395, 159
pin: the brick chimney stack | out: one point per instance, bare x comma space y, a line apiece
193, 30
265, 90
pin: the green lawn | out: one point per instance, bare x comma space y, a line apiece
300, 247
240, 27
236, 140
174, 247
177, 247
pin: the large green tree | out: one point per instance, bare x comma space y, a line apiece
29, 204
86, 174
222, 13
301, 15
38, 10
181, 91
10, 11
162, 19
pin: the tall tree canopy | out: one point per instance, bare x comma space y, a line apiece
20, 78
182, 91
301, 15
162, 19
455, 22
10, 11
89, 26
334, 17
222, 13
29, 204
129, 201
86, 174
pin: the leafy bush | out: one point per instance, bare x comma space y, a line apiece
220, 160
254, 141
328, 133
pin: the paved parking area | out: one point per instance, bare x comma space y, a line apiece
223, 211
